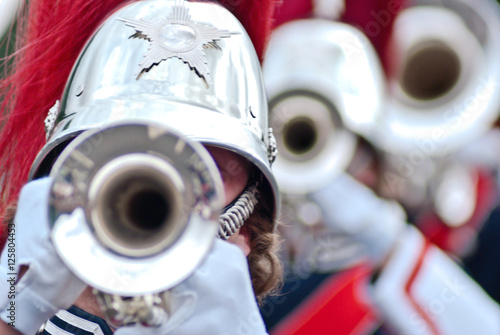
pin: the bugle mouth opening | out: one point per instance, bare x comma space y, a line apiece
303, 123
300, 135
147, 208
130, 201
431, 71
136, 205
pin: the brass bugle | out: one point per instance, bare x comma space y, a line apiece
134, 209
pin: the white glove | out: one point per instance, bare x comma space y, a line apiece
354, 209
217, 299
48, 285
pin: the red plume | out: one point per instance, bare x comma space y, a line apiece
375, 19
257, 18
50, 36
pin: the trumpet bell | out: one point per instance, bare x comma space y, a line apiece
134, 207
311, 141
443, 86
134, 204
324, 82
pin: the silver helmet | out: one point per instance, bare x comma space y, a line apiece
189, 66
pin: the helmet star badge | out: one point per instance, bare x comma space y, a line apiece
177, 36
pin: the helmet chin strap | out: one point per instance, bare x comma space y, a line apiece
236, 213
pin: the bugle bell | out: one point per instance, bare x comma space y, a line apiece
134, 208
443, 80
324, 82
325, 86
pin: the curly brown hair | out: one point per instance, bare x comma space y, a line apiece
266, 269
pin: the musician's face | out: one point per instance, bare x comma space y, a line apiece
234, 170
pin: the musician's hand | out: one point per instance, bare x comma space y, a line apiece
217, 299
47, 286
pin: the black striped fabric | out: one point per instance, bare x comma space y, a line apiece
77, 322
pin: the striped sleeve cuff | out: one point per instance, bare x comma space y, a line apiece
76, 321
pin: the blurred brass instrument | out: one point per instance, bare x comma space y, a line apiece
134, 209
443, 94
325, 86
443, 85
324, 83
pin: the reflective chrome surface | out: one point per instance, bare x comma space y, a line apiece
443, 88
104, 87
137, 219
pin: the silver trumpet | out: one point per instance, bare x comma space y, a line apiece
325, 85
134, 210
